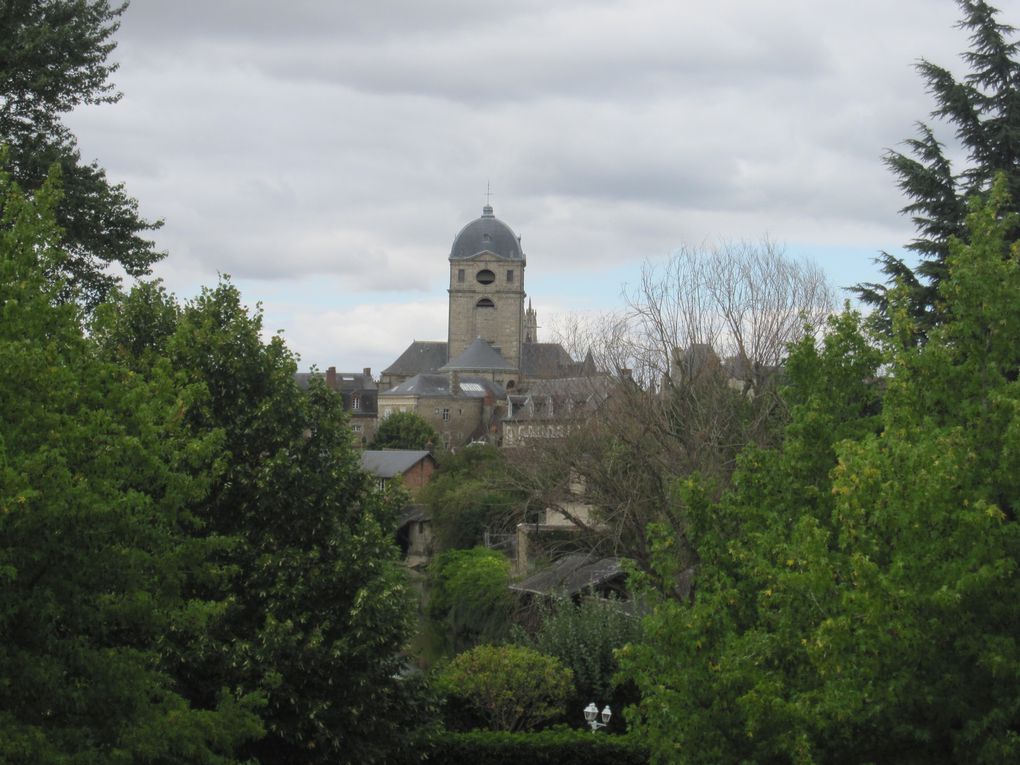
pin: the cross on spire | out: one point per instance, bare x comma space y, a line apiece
488, 194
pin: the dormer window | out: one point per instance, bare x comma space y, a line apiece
356, 402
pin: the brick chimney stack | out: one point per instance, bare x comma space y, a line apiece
331, 378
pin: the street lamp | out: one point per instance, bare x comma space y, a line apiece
591, 712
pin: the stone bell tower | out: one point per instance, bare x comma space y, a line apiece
487, 288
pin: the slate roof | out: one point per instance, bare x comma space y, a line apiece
487, 234
571, 575
479, 355
420, 356
345, 381
564, 398
546, 361
387, 463
439, 385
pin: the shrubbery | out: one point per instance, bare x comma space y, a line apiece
555, 746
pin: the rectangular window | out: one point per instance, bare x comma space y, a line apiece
509, 277
356, 427
460, 275
355, 402
446, 415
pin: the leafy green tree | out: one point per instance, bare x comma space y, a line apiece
53, 58
469, 493
96, 476
585, 636
469, 600
984, 110
405, 430
857, 599
318, 609
511, 687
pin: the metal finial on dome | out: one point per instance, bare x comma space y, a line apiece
487, 209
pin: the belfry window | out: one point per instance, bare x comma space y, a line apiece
485, 303
485, 276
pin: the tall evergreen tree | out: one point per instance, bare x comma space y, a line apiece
984, 111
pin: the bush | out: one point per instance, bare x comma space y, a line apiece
549, 747
510, 687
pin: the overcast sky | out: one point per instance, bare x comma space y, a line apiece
325, 154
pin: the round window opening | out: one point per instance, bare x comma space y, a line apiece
486, 277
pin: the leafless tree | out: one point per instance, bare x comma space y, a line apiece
696, 354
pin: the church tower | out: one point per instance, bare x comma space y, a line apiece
487, 288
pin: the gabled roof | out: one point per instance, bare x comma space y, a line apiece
571, 575
478, 356
420, 356
387, 463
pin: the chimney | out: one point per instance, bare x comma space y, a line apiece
455, 383
331, 378
368, 373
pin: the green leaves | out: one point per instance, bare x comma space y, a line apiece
405, 430
857, 596
511, 687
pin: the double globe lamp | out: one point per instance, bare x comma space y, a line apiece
591, 712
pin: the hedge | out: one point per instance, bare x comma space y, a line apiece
548, 747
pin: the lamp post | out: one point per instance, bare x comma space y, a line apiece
591, 712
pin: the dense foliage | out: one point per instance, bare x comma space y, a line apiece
984, 111
97, 477
469, 601
510, 687
53, 58
405, 430
858, 597
195, 568
547, 747
585, 636
316, 601
469, 494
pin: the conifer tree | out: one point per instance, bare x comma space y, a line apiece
983, 109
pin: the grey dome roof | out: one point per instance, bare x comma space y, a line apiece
486, 234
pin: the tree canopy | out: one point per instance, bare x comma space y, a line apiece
97, 475
54, 58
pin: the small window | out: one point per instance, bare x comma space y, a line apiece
356, 402
485, 303
460, 275
485, 276
356, 427
446, 415
509, 276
